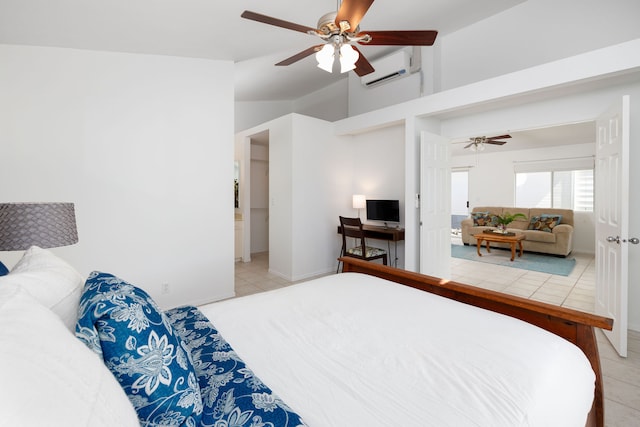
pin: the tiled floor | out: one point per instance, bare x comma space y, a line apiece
621, 376
574, 291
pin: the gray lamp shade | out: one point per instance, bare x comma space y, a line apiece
47, 225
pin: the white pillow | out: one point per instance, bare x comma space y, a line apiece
50, 280
48, 376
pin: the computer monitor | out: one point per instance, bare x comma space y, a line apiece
383, 210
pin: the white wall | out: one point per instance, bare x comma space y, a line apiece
534, 32
143, 145
492, 183
254, 113
377, 170
319, 188
329, 103
281, 196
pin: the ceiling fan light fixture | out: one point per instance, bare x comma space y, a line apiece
348, 58
325, 57
478, 146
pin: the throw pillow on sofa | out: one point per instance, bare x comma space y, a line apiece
134, 337
483, 219
544, 222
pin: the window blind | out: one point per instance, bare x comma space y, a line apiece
568, 164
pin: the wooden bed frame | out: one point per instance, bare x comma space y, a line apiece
572, 325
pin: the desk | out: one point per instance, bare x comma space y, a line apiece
378, 232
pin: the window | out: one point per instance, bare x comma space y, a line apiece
563, 189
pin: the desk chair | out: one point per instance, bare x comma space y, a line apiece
352, 227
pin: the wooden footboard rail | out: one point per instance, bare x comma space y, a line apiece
575, 326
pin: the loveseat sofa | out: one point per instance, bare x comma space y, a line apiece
548, 231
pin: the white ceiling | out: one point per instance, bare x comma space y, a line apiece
213, 29
569, 134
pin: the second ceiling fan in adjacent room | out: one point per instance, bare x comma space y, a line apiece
478, 142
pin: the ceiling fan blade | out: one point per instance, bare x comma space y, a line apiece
363, 66
499, 137
495, 142
401, 38
277, 22
353, 11
469, 145
300, 55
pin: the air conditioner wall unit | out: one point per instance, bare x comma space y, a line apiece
388, 68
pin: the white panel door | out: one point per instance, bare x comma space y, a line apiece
612, 220
435, 205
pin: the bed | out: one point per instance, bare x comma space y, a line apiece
350, 349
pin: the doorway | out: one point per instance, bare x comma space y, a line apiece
459, 200
259, 193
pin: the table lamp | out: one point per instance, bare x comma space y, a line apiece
47, 225
359, 202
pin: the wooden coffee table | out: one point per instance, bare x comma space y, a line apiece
512, 240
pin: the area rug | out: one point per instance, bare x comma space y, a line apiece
529, 261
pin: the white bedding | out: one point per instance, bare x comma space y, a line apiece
354, 350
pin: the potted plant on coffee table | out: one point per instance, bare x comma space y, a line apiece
505, 219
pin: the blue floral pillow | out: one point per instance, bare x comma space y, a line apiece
137, 343
3, 269
232, 395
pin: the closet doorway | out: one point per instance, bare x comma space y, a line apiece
259, 193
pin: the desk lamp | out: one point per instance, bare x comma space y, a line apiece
47, 225
359, 202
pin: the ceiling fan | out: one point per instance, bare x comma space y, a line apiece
339, 31
478, 142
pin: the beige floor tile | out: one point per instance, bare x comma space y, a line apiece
500, 287
551, 299
622, 392
269, 285
561, 281
538, 281
583, 290
576, 296
520, 292
525, 286
579, 305
585, 285
556, 291
247, 289
617, 415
